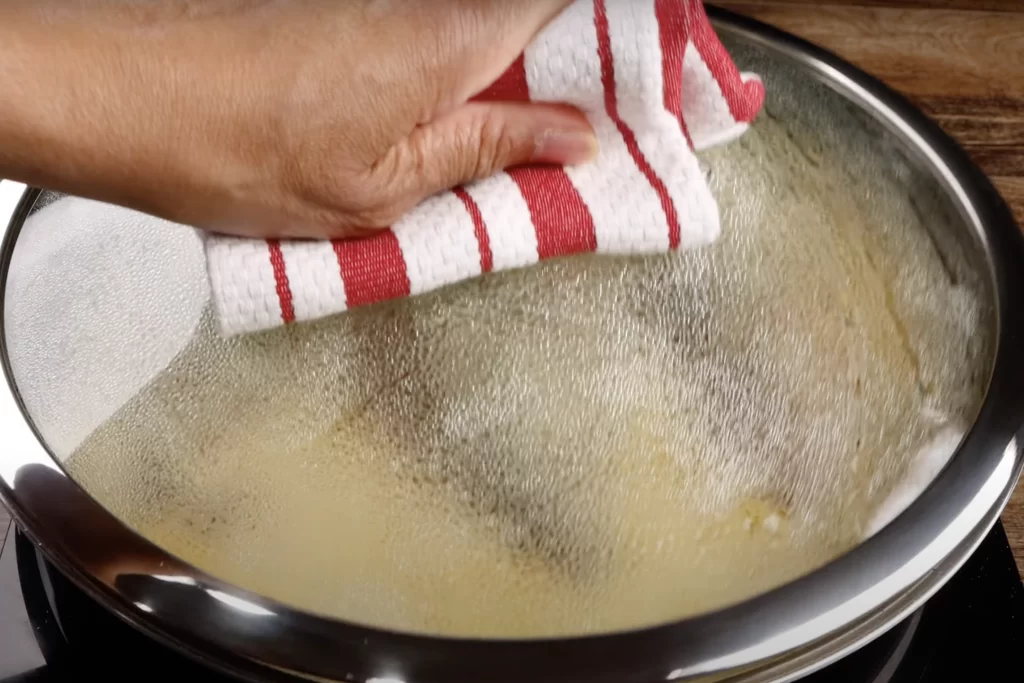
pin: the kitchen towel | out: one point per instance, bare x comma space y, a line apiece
655, 82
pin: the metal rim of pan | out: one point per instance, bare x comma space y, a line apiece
786, 632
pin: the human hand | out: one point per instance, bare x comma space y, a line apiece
310, 118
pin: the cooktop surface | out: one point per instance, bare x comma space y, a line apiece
971, 631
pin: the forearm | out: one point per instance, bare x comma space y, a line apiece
102, 99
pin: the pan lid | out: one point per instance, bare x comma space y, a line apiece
592, 446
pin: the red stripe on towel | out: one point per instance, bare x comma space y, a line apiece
512, 86
483, 240
284, 291
560, 217
744, 99
671, 16
604, 51
372, 269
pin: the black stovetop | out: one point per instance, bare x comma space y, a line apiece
970, 632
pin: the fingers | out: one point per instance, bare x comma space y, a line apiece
479, 139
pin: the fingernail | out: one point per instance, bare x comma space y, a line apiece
566, 148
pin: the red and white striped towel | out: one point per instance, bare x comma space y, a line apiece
656, 84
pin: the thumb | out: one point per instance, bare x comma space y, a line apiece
479, 139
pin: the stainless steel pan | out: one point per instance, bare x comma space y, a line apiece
777, 635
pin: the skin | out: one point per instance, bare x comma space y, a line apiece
284, 118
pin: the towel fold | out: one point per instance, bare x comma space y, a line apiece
655, 82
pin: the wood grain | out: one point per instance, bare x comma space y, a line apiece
977, 5
1012, 190
961, 61
921, 52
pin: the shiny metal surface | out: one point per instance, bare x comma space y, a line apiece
778, 635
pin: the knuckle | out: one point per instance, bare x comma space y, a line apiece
406, 163
373, 218
495, 145
372, 205
380, 196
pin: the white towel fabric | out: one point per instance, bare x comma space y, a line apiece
656, 84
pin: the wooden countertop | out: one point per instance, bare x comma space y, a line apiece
961, 61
